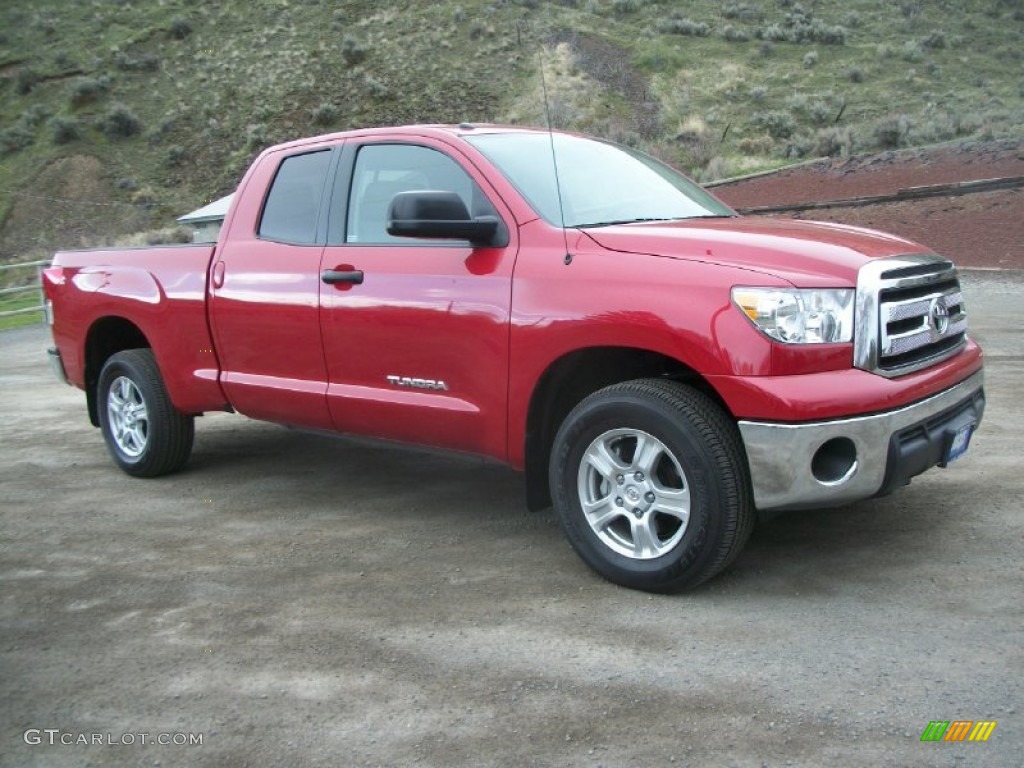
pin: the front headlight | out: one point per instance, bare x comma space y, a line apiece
799, 316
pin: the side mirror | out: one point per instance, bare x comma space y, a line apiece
438, 215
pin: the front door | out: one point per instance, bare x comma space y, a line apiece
415, 332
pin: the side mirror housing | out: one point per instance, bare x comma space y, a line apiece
438, 215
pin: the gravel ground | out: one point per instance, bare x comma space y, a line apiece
297, 600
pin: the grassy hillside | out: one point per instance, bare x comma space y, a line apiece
118, 116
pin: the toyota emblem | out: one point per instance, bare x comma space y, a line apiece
938, 315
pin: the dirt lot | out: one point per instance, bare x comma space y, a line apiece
979, 230
298, 600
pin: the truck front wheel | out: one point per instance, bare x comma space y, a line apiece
145, 434
650, 484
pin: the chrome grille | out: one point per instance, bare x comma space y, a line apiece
910, 314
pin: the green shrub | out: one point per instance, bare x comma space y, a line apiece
834, 142
120, 122
891, 132
324, 113
779, 124
799, 146
256, 136
854, 74
626, 6
829, 35
798, 16
758, 93
376, 88
180, 28
25, 80
15, 138
146, 62
87, 90
773, 33
175, 156
717, 168
912, 51
820, 112
65, 129
810, 59
33, 116
353, 51
910, 9
734, 34
756, 145
169, 236
742, 12
814, 32
681, 26
23, 132
799, 26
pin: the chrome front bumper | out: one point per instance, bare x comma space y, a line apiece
829, 463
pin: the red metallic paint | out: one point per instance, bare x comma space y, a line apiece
162, 291
808, 254
487, 322
437, 312
839, 394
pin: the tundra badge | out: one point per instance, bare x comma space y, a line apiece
406, 381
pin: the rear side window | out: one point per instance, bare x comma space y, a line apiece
290, 213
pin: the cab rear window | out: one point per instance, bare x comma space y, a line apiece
290, 213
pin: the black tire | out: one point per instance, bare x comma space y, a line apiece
696, 470
145, 434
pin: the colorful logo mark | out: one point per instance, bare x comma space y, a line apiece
958, 730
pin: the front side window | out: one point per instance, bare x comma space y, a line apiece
600, 183
384, 170
290, 213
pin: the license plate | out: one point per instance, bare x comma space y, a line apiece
958, 446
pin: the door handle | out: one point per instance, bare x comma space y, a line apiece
333, 276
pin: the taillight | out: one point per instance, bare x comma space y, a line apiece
52, 277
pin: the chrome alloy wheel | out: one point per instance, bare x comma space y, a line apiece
129, 420
635, 495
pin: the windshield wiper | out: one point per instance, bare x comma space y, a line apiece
622, 221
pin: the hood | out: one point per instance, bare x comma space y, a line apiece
806, 253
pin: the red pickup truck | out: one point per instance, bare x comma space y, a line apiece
658, 367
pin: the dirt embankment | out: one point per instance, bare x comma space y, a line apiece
985, 229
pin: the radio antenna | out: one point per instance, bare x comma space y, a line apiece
554, 161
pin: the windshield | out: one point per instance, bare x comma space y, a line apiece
601, 183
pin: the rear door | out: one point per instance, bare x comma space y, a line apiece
265, 286
416, 342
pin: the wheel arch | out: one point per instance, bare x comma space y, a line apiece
107, 336
574, 376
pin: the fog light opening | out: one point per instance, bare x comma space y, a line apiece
835, 461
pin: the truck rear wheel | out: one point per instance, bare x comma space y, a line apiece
650, 484
145, 434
